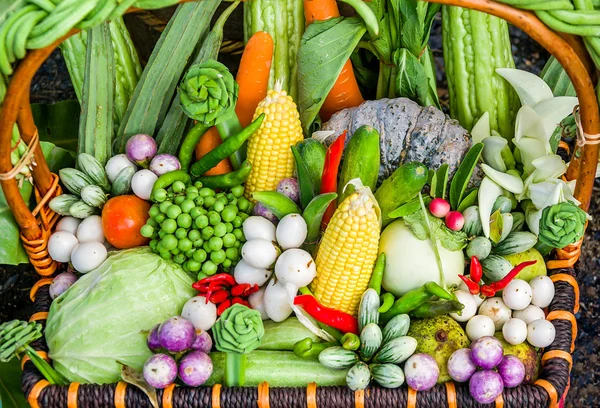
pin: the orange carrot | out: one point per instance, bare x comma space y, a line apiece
345, 92
209, 141
253, 81
253, 75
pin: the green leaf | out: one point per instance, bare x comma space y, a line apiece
57, 157
409, 208
496, 226
305, 182
433, 182
58, 123
468, 200
325, 48
451, 240
461, 178
442, 181
11, 395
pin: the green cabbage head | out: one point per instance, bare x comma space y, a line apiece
102, 320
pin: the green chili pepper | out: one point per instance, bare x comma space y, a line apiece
335, 333
228, 180
225, 149
387, 301
436, 290
307, 348
169, 178
410, 301
189, 144
275, 201
377, 276
350, 341
437, 308
313, 214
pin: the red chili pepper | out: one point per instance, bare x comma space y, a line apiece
475, 270
492, 288
331, 317
240, 289
224, 278
219, 296
239, 301
330, 173
473, 286
223, 306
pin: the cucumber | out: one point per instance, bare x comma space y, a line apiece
504, 204
397, 350
122, 184
370, 341
387, 375
74, 180
518, 241
397, 327
94, 170
475, 44
361, 160
495, 267
62, 203
368, 309
283, 335
401, 187
358, 376
81, 210
472, 225
480, 247
338, 358
518, 221
93, 196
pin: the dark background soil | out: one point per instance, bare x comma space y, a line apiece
52, 84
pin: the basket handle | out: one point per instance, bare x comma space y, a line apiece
568, 52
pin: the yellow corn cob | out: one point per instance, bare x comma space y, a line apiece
269, 148
347, 252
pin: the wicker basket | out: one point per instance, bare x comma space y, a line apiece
548, 390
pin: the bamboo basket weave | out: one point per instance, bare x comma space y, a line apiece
36, 227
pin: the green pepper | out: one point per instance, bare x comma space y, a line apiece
350, 341
387, 301
335, 333
437, 308
377, 276
169, 178
189, 144
225, 149
307, 348
436, 290
228, 180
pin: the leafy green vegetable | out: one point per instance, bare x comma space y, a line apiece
461, 178
58, 123
99, 323
496, 226
11, 395
325, 48
442, 177
451, 240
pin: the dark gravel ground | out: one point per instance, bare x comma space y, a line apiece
52, 84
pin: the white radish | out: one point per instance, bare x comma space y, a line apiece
245, 273
291, 231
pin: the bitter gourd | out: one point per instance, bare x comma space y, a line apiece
475, 44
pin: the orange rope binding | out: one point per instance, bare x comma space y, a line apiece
40, 353
451, 395
167, 397
263, 395
37, 285
120, 391
359, 399
216, 396
499, 401
311, 395
558, 354
564, 315
564, 277
72, 395
38, 316
552, 394
35, 392
411, 401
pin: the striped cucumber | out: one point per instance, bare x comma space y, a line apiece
96, 119
284, 21
515, 242
74, 180
94, 170
361, 160
518, 221
397, 327
396, 351
93, 196
122, 184
387, 375
370, 341
368, 309
338, 358
475, 44
81, 210
495, 267
62, 203
358, 376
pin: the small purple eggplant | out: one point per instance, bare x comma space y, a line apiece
195, 368
264, 212
160, 371
140, 149
176, 334
289, 187
164, 163
61, 283
152, 340
202, 342
485, 386
512, 371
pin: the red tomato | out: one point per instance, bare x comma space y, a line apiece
122, 219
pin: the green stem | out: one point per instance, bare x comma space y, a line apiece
235, 370
46, 369
434, 243
228, 127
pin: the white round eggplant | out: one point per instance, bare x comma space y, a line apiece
117, 163
257, 302
530, 314
246, 273
514, 331
480, 326
291, 231
68, 224
258, 227
295, 266
61, 245
90, 230
142, 183
543, 291
541, 333
200, 313
470, 306
496, 309
276, 301
260, 253
517, 295
88, 256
